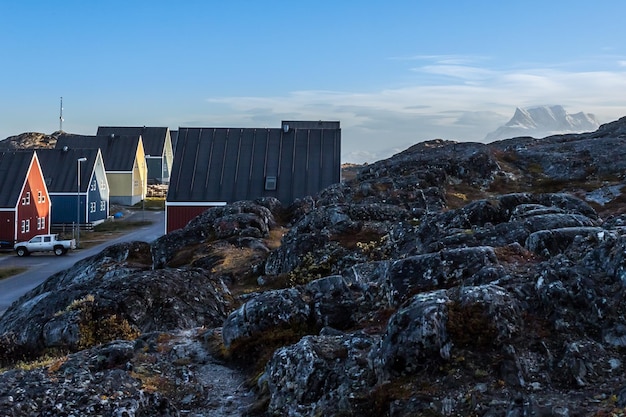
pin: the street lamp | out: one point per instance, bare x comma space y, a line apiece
79, 160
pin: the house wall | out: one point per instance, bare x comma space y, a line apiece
139, 177
7, 225
64, 208
155, 169
177, 217
101, 195
97, 207
168, 160
120, 187
33, 207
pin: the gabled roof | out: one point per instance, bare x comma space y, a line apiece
13, 170
227, 165
59, 168
174, 139
153, 137
118, 152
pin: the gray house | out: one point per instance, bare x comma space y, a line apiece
217, 166
157, 145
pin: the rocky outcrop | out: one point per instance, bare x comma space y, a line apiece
112, 295
451, 279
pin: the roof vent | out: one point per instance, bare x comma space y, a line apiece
285, 128
65, 148
112, 135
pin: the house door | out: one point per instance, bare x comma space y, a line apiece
6, 230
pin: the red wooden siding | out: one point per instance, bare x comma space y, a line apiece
178, 216
33, 207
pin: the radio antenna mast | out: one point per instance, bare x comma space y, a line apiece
61, 116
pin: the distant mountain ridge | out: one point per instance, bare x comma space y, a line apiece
542, 121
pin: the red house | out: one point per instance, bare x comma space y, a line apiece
217, 166
24, 199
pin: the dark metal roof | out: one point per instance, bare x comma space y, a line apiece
310, 124
153, 137
13, 171
59, 168
227, 165
118, 152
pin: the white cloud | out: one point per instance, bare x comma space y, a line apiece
380, 123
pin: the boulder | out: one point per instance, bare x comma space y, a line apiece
319, 375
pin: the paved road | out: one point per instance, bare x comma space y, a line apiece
43, 265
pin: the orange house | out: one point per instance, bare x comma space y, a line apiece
24, 200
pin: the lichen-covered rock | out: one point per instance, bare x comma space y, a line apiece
550, 242
77, 386
468, 266
266, 313
416, 335
319, 375
332, 302
112, 295
240, 219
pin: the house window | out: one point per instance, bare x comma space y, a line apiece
43, 223
270, 183
103, 206
38, 223
92, 207
26, 199
103, 186
93, 185
23, 226
40, 197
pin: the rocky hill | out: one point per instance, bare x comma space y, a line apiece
30, 140
453, 279
542, 121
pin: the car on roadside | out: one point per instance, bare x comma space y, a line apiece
5, 245
45, 243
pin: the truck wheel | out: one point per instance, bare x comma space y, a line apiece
59, 250
21, 251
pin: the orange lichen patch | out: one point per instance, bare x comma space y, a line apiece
515, 255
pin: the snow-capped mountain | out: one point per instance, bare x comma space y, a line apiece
542, 121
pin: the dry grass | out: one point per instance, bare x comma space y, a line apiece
11, 271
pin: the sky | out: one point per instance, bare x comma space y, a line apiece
393, 72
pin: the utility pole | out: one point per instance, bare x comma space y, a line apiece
61, 116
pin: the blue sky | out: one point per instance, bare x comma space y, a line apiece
394, 73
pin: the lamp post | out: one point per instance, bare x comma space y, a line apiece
79, 160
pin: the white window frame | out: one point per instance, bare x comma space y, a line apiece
26, 199
92, 207
103, 205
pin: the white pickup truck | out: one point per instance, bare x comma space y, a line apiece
44, 243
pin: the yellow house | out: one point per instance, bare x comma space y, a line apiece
124, 161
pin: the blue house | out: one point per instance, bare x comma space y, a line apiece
66, 188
